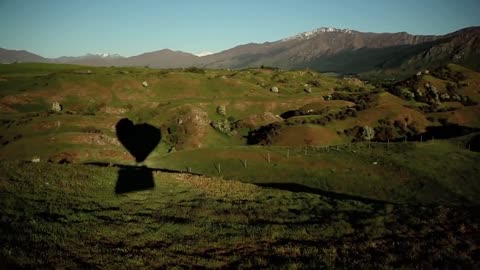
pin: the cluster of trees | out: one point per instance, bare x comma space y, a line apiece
195, 70
362, 101
350, 89
409, 89
302, 112
446, 73
341, 115
264, 135
386, 130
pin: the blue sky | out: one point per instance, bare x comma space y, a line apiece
55, 28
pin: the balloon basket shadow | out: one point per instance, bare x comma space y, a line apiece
133, 178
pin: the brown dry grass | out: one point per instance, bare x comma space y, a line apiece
387, 106
466, 116
306, 134
217, 187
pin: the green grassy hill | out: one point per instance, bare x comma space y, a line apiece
312, 176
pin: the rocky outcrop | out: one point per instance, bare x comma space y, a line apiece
56, 107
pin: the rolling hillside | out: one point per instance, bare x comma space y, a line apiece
271, 168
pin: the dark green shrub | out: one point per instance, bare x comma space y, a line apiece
195, 70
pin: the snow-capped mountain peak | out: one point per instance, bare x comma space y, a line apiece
104, 55
310, 34
201, 54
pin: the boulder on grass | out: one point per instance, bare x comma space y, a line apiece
274, 89
56, 107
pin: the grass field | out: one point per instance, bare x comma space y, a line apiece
305, 196
69, 216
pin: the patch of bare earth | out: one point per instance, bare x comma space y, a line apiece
257, 120
306, 135
65, 157
95, 139
113, 110
45, 125
193, 122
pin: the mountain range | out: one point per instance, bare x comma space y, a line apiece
323, 49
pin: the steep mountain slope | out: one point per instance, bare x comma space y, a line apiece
461, 47
303, 49
324, 49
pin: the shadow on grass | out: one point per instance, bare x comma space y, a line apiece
293, 187
134, 178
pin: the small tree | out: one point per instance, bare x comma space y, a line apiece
368, 133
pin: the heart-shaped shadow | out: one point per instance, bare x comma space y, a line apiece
140, 139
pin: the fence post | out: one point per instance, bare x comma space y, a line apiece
218, 168
268, 157
244, 163
288, 153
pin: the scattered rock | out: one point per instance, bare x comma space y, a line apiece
308, 90
36, 159
224, 127
114, 110
274, 89
375, 163
418, 92
56, 107
172, 149
145, 84
444, 96
222, 110
224, 77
